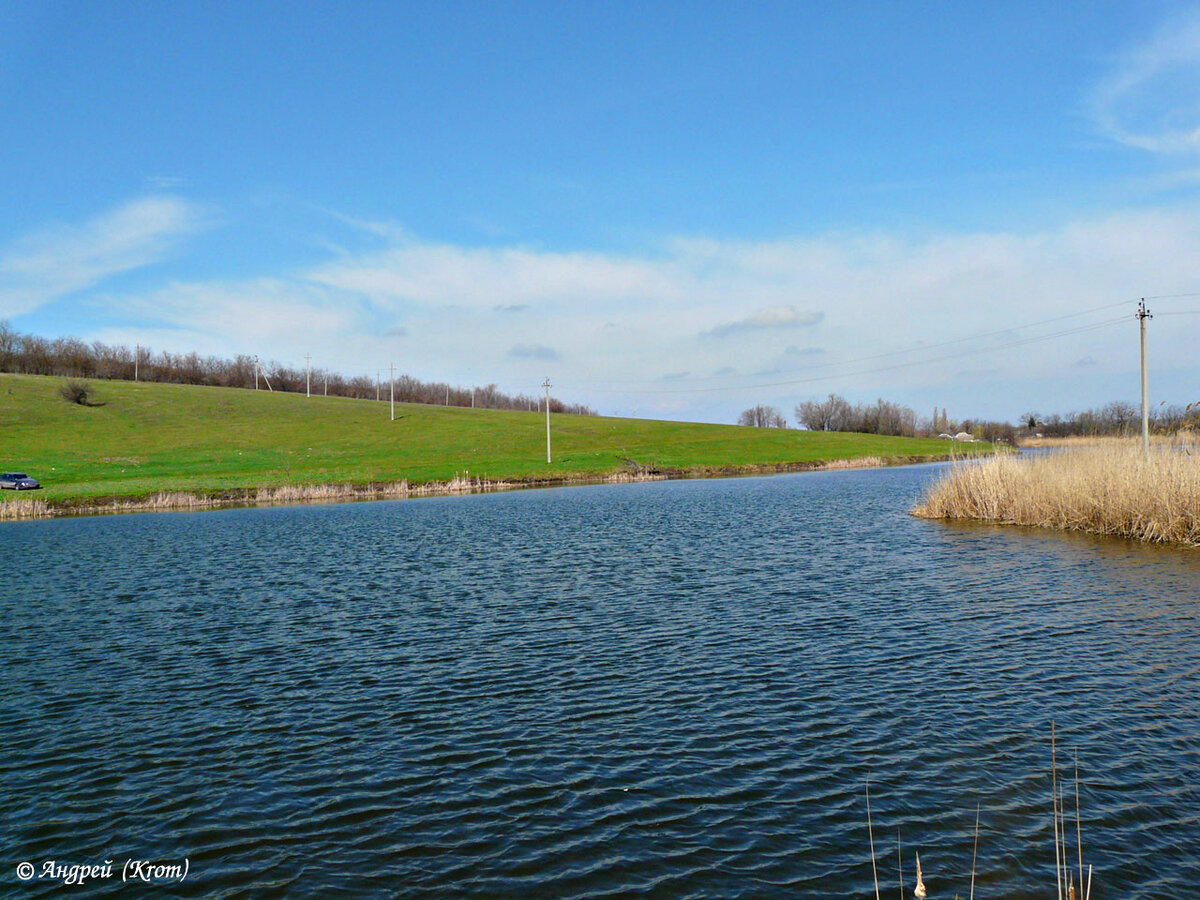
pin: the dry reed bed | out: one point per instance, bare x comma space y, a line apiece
1109, 488
30, 508
1184, 438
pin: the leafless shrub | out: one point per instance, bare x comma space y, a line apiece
74, 390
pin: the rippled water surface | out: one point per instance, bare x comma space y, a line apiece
671, 690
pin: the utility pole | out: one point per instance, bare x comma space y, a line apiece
307, 374
377, 375
256, 373
472, 398
546, 385
326, 383
392, 387
1143, 314
137, 352
447, 395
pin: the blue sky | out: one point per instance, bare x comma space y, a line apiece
672, 209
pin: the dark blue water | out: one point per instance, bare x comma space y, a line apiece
670, 690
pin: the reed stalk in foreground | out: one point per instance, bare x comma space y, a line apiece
1105, 489
1065, 878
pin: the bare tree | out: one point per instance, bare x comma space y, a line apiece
762, 417
830, 414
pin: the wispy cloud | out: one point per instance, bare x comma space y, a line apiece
803, 352
533, 351
771, 317
441, 274
1151, 99
264, 315
165, 182
60, 261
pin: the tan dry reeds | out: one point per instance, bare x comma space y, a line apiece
1110, 488
25, 508
310, 493
861, 462
1065, 879
1184, 437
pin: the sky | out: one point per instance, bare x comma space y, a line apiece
672, 210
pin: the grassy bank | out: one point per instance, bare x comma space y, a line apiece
1105, 488
148, 441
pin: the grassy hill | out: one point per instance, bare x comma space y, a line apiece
149, 438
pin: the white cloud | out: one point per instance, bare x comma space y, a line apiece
444, 274
770, 317
1151, 99
613, 323
61, 261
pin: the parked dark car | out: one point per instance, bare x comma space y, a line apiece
18, 481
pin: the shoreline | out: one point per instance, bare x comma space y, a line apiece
34, 509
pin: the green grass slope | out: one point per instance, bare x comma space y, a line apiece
146, 438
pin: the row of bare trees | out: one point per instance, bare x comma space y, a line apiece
72, 358
835, 413
1117, 418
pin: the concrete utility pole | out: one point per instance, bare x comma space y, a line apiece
392, 388
472, 398
256, 373
307, 374
326, 384
137, 352
447, 395
377, 377
546, 385
1143, 314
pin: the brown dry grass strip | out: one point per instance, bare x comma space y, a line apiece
1108, 488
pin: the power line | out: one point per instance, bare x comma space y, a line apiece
920, 362
917, 348
1171, 296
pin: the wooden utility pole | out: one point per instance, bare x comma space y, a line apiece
307, 374
392, 388
546, 385
1143, 314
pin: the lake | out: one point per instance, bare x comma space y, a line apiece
671, 689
